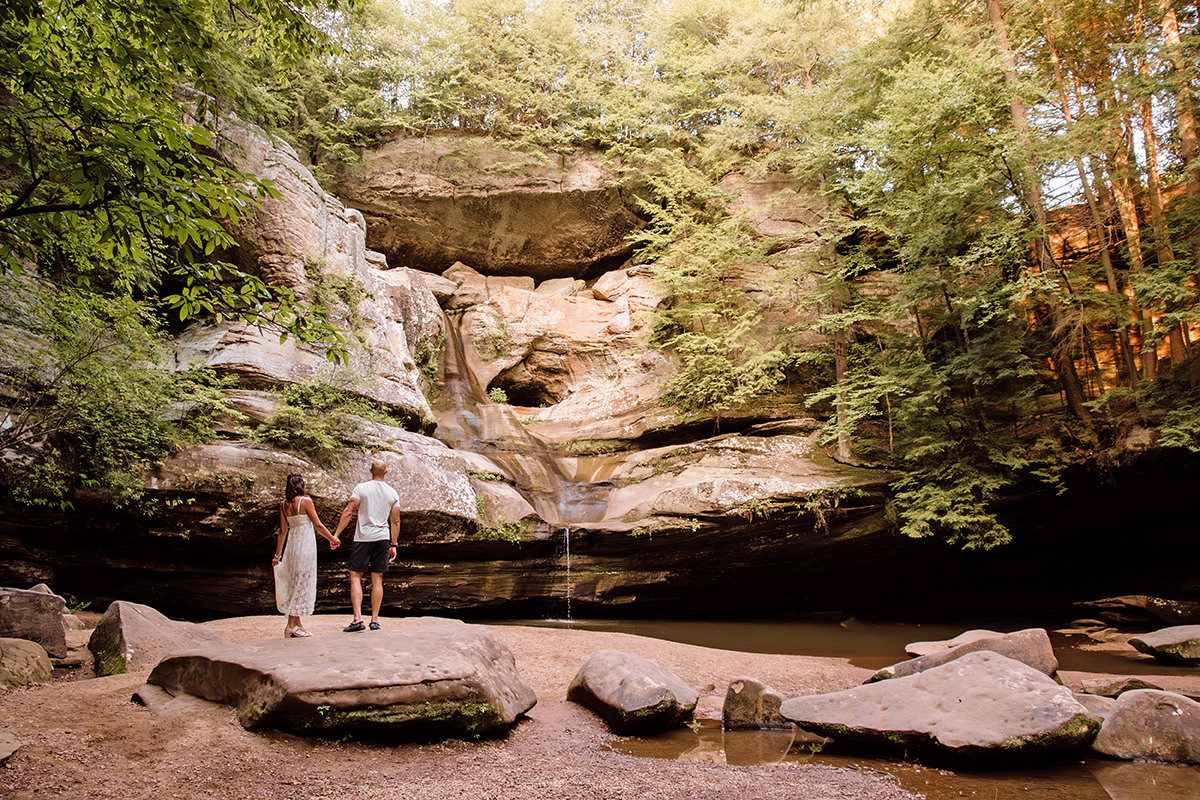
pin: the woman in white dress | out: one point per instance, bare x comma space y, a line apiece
295, 559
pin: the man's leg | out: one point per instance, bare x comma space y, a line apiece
356, 594
376, 595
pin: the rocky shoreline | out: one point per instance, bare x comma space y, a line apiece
88, 739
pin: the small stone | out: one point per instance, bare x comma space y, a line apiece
752, 705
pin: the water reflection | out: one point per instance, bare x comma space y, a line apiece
1078, 780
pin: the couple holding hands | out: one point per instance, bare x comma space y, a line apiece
376, 505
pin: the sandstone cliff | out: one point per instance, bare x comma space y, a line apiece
501, 329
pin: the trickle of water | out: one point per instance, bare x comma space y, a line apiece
567, 549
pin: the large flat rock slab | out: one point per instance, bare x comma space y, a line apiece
982, 707
437, 681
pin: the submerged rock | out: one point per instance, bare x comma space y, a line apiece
981, 707
429, 682
1138, 609
1114, 686
634, 695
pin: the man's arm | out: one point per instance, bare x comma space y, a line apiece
394, 527
347, 514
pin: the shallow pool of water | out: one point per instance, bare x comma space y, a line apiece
873, 645
867, 644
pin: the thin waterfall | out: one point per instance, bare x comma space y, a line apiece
567, 550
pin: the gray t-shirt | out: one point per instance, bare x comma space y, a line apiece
375, 501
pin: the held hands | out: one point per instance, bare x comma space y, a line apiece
334, 541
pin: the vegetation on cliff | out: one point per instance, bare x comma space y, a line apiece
114, 216
1005, 228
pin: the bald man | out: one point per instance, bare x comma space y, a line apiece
375, 535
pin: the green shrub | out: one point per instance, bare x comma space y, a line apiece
507, 531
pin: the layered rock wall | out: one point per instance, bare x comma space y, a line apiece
538, 471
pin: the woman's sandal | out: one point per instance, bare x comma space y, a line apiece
295, 633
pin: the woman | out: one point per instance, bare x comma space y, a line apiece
295, 559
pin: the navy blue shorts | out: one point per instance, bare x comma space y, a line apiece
369, 556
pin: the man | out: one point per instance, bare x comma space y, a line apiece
375, 537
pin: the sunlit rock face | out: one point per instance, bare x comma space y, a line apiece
431, 201
573, 362
307, 241
540, 472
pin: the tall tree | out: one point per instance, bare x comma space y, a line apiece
108, 175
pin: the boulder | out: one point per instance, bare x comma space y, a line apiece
36, 616
1179, 645
426, 682
917, 649
130, 637
632, 694
752, 705
1030, 646
23, 662
981, 707
7, 748
1151, 725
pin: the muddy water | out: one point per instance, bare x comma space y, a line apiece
1078, 780
873, 645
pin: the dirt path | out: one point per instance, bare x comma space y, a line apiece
87, 739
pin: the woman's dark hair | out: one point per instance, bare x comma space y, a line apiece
295, 487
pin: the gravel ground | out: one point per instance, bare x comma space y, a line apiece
85, 738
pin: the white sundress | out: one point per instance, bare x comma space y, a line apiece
296, 574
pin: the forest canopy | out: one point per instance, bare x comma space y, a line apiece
1021, 176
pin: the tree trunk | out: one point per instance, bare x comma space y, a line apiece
843, 408
1030, 185
1120, 301
1164, 252
1122, 172
1185, 114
